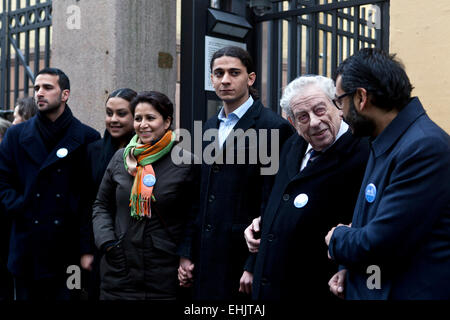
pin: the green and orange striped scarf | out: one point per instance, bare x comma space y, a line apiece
137, 159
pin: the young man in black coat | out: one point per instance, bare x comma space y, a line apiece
321, 169
43, 177
236, 184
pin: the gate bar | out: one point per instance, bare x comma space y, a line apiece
316, 9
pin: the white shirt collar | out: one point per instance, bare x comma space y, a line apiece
342, 130
239, 112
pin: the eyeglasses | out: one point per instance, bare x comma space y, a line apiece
337, 101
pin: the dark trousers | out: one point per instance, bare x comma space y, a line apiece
51, 289
6, 279
91, 279
6, 284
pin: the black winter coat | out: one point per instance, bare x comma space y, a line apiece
45, 196
231, 196
143, 264
100, 153
292, 262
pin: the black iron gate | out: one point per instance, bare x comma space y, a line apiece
24, 46
312, 37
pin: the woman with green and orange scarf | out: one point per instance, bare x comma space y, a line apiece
142, 207
138, 159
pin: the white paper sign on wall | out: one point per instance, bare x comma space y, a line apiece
213, 44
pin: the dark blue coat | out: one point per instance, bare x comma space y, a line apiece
45, 196
231, 196
403, 227
292, 262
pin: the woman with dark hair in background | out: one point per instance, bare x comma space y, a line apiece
4, 125
119, 131
24, 110
142, 206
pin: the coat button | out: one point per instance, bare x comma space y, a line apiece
208, 227
215, 168
212, 198
285, 197
264, 281
270, 237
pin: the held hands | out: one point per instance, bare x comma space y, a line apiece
245, 284
86, 261
185, 270
336, 283
251, 233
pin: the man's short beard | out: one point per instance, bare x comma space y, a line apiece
52, 107
361, 125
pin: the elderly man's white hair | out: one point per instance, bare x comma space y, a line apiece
297, 86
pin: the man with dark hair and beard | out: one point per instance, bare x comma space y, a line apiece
43, 172
397, 246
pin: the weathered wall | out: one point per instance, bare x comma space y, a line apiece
419, 34
117, 45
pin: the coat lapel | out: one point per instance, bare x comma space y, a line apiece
212, 123
295, 156
247, 121
329, 158
291, 165
327, 161
392, 133
31, 142
249, 118
71, 141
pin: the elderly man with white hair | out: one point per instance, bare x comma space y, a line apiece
320, 174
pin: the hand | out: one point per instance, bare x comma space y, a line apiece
336, 283
250, 233
185, 275
245, 284
327, 240
330, 234
86, 261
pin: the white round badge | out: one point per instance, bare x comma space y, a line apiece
301, 200
61, 153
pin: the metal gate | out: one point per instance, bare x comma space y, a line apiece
312, 37
25, 28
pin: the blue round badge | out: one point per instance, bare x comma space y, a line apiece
149, 180
371, 192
